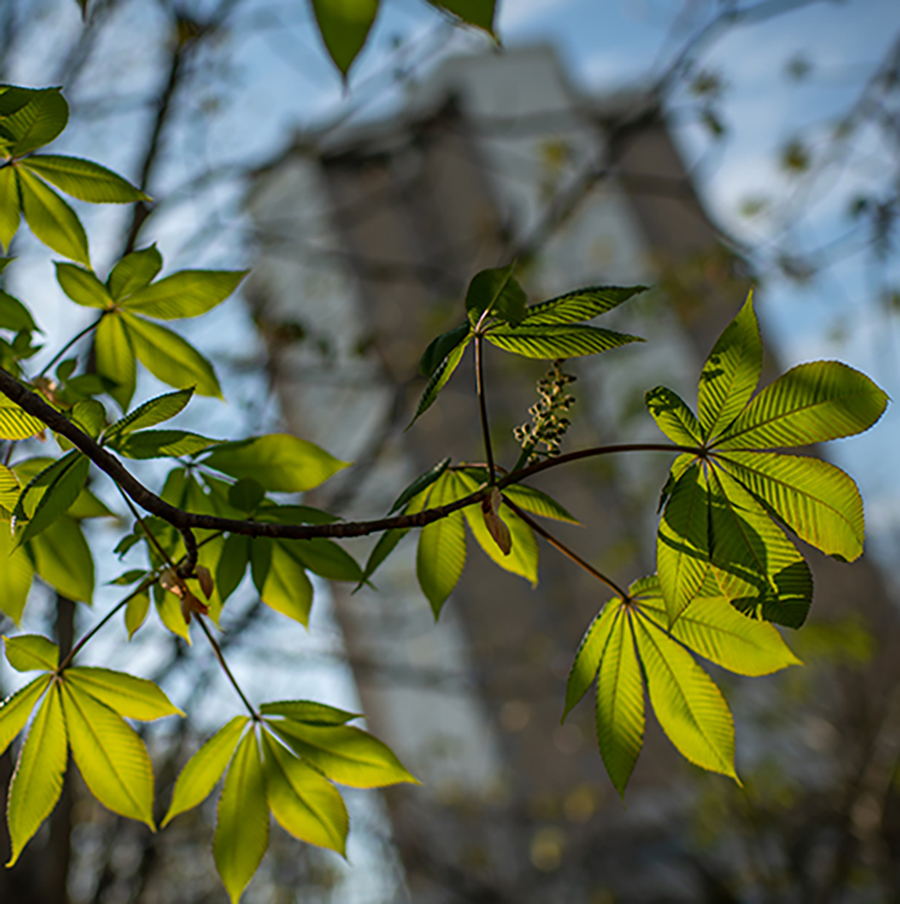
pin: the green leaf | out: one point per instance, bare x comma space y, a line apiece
204, 769
308, 712
62, 482
286, 588
115, 358
29, 652
170, 359
14, 315
82, 286
422, 482
15, 709
716, 631
16, 423
246, 494
538, 503
156, 411
682, 548
38, 122
134, 271
496, 293
84, 179
816, 500
479, 13
523, 558
89, 416
10, 209
811, 403
439, 378
9, 488
52, 220
344, 26
386, 544
305, 804
189, 293
162, 444
345, 754
552, 341
63, 559
16, 575
38, 779
441, 553
242, 827
326, 559
582, 304
280, 462
440, 347
673, 416
689, 707
131, 697
136, 612
731, 372
589, 654
620, 703
756, 567
111, 758
232, 564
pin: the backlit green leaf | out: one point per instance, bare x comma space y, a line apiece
14, 315
38, 779
10, 206
538, 503
131, 697
232, 564
326, 559
689, 707
479, 13
286, 588
589, 653
134, 271
345, 754
717, 632
302, 801
63, 559
170, 359
189, 293
308, 711
496, 293
115, 358
16, 423
682, 548
82, 286
38, 122
29, 652
15, 576
15, 709
441, 553
52, 220
620, 702
731, 372
242, 827
280, 462
84, 179
162, 444
61, 483
151, 413
818, 501
811, 403
204, 769
136, 612
582, 304
422, 482
673, 416
439, 378
344, 26
111, 757
556, 341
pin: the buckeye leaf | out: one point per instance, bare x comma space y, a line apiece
673, 416
304, 803
422, 482
52, 220
201, 772
439, 378
189, 293
590, 651
286, 587
232, 564
15, 423
29, 652
83, 179
326, 559
344, 26
110, 755
10, 206
15, 709
556, 340
441, 553
14, 315
479, 13
386, 544
162, 444
538, 503
131, 697
16, 576
115, 358
62, 557
582, 304
38, 122
440, 347
82, 286
136, 612
38, 779
134, 271
61, 482
496, 293
308, 711
242, 827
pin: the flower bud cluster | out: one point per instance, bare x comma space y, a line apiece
548, 415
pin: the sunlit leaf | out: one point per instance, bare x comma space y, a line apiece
10, 207
673, 416
16, 575
441, 553
16, 708
344, 26
188, 293
61, 483
495, 292
136, 612
326, 559
556, 341
82, 286
151, 413
162, 444
52, 220
29, 652
538, 503
422, 482
38, 122
14, 315
308, 711
115, 358
286, 588
131, 697
582, 304
134, 271
587, 657
63, 559
15, 423
84, 179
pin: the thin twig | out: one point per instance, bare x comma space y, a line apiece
482, 404
69, 344
219, 655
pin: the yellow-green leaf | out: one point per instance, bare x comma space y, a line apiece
63, 559
15, 423
673, 416
287, 589
242, 827
136, 612
344, 26
131, 697
38, 780
441, 553
589, 653
201, 772
188, 293
82, 286
28, 652
10, 206
115, 358
15, 709
308, 711
84, 179
538, 503
16, 575
110, 755
52, 220
302, 801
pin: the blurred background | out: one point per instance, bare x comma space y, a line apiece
698, 147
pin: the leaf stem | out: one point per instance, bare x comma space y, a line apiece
559, 545
68, 345
482, 405
221, 657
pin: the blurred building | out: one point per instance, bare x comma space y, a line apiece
368, 235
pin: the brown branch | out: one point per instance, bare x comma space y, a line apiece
188, 521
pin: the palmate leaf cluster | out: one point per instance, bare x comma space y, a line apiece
727, 568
